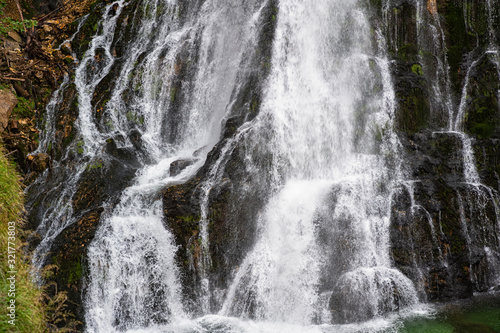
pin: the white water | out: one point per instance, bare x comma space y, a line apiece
48, 127
316, 88
331, 137
134, 280
60, 215
313, 94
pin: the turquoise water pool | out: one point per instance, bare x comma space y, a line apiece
480, 315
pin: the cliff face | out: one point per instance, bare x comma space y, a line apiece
444, 232
445, 222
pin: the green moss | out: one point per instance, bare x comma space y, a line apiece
188, 218
132, 117
482, 130
24, 108
96, 165
75, 274
408, 52
482, 113
417, 69
70, 271
79, 146
173, 94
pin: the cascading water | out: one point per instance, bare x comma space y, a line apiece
134, 280
333, 162
332, 168
61, 215
431, 40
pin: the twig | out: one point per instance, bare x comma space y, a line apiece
12, 78
52, 12
20, 13
12, 152
5, 53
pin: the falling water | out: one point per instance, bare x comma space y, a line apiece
48, 126
134, 280
325, 133
60, 216
321, 254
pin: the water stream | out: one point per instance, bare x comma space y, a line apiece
322, 249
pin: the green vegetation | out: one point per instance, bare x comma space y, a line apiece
173, 94
96, 165
132, 117
28, 297
8, 24
417, 69
188, 219
24, 108
80, 145
415, 111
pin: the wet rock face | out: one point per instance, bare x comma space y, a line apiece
441, 226
97, 188
427, 240
231, 224
177, 166
443, 229
482, 117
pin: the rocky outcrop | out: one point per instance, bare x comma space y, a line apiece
39, 162
8, 102
442, 226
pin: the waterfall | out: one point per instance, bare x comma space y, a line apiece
134, 280
320, 138
325, 132
87, 77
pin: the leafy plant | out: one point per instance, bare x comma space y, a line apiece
8, 24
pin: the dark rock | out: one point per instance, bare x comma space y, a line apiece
198, 151
39, 162
232, 206
482, 116
69, 254
439, 224
176, 167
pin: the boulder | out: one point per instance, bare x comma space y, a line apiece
15, 36
39, 162
178, 166
8, 102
